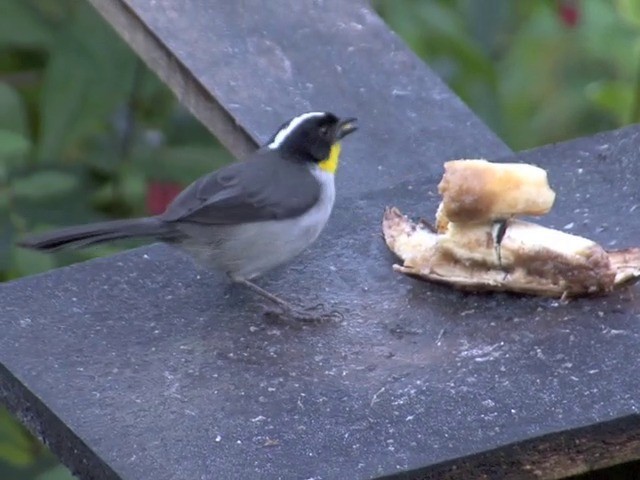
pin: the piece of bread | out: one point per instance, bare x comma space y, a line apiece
478, 191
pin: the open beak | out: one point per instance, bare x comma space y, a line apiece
345, 127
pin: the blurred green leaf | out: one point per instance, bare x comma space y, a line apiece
15, 442
12, 144
14, 135
86, 80
63, 100
183, 164
100, 250
30, 262
13, 454
43, 184
603, 38
13, 115
614, 97
22, 24
56, 473
4, 196
629, 10
132, 185
10, 429
7, 231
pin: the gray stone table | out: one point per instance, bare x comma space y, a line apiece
139, 366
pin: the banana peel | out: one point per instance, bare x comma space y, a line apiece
528, 259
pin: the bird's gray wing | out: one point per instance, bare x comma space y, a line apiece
262, 188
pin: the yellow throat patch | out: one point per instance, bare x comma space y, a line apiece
330, 164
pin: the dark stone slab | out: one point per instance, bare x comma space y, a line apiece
244, 66
241, 67
152, 369
139, 366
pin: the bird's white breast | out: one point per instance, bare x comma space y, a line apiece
316, 218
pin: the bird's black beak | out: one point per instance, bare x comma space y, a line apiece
345, 127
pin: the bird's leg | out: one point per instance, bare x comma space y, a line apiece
288, 310
498, 231
263, 293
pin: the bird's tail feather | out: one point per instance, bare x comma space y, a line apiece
85, 235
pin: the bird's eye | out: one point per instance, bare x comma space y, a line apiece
324, 130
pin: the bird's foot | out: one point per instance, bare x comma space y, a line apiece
315, 315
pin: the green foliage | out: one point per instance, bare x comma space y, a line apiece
43, 184
12, 144
56, 473
531, 76
16, 446
81, 118
629, 10
22, 457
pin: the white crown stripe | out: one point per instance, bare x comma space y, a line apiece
286, 130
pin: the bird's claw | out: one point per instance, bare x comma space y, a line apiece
317, 314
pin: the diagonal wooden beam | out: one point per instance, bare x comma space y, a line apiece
242, 67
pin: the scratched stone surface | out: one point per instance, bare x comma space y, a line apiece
141, 366
267, 61
165, 371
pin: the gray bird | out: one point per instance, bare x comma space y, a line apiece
248, 217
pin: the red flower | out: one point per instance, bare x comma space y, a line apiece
569, 12
160, 194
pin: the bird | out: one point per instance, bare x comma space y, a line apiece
247, 217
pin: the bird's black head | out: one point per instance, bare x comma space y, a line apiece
312, 135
